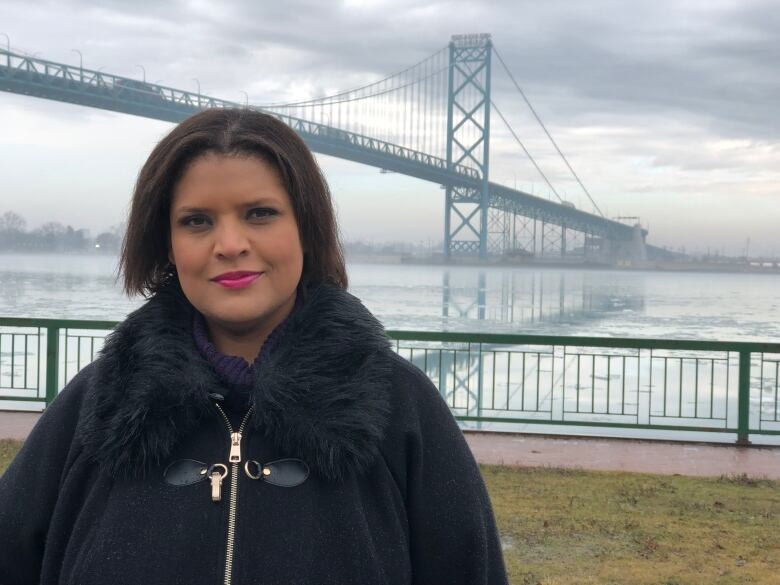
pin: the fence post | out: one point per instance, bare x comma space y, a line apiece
52, 362
743, 399
480, 384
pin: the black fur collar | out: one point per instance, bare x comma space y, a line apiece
323, 394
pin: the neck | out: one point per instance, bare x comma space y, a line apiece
229, 344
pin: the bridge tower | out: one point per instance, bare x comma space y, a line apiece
468, 143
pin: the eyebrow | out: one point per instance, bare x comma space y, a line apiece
255, 203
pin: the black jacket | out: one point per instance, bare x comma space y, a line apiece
352, 469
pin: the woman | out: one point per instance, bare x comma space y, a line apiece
249, 423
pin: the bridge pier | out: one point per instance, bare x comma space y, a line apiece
622, 252
563, 241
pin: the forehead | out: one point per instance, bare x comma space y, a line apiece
228, 179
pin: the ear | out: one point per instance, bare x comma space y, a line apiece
171, 258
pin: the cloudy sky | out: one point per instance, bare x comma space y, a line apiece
667, 109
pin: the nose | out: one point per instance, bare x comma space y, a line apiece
230, 240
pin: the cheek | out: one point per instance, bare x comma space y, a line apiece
288, 249
186, 256
297, 256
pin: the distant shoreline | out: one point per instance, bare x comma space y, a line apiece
650, 266
399, 259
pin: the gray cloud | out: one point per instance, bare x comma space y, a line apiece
639, 94
714, 62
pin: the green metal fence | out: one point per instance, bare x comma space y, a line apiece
657, 384
39, 356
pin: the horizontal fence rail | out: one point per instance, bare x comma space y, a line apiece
593, 382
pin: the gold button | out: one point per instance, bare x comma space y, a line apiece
266, 471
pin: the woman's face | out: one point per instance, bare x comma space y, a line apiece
235, 243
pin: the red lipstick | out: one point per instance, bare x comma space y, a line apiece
239, 279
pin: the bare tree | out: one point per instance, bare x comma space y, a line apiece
12, 222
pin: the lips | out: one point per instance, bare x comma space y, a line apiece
239, 279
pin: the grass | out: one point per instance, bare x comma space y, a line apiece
582, 528
8, 449
600, 528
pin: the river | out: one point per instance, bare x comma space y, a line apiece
610, 303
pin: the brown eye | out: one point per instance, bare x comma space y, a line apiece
194, 221
261, 213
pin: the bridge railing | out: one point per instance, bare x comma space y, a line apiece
26, 68
18, 68
315, 130
507, 381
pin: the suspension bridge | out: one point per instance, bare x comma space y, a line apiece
431, 121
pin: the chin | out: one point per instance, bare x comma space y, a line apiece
241, 313
238, 316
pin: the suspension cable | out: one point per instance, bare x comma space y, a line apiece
356, 89
528, 154
538, 119
313, 104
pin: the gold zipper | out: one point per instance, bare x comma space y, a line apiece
235, 459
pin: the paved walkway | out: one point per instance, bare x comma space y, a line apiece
17, 425
574, 452
665, 457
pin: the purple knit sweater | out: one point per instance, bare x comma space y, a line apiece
235, 372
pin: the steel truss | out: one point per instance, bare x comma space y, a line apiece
468, 142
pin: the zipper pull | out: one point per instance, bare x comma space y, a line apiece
215, 477
216, 487
235, 448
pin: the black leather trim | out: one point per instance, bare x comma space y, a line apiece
282, 472
286, 472
185, 472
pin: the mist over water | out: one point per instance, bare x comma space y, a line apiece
436, 298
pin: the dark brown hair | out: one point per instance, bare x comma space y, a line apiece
144, 261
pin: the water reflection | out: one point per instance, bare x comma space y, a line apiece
545, 301
534, 296
56, 294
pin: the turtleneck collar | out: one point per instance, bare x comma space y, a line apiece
235, 370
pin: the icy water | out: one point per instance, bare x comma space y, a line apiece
507, 300
725, 307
